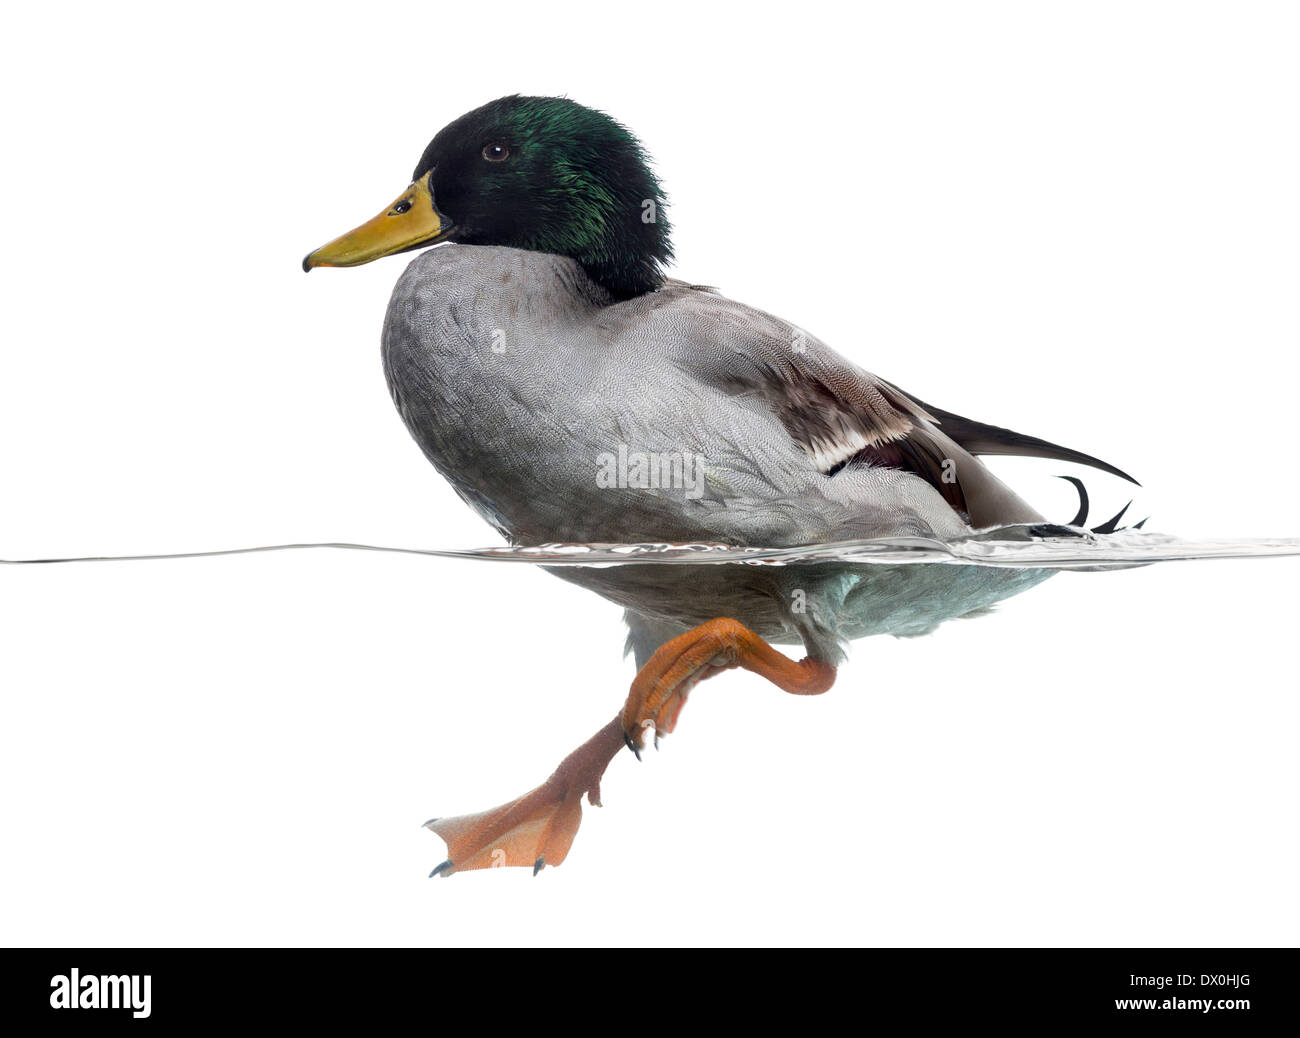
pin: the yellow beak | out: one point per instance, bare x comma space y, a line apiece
411, 220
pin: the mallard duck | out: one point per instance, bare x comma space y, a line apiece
570, 391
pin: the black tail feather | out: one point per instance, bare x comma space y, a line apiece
1081, 516
1111, 525
980, 438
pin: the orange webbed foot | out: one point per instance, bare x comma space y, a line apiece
538, 828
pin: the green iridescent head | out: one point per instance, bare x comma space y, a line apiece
539, 173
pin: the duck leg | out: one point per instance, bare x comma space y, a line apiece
660, 688
538, 828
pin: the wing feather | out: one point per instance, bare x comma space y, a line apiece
841, 415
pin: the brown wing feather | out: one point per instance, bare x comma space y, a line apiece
841, 415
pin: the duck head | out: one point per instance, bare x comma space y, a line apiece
539, 173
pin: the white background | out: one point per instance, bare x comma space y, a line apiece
1079, 221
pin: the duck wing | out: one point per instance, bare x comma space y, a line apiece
842, 415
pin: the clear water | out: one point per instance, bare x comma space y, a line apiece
1089, 761
1010, 548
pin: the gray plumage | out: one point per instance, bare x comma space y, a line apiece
534, 395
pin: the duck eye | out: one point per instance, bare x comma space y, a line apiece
496, 152
404, 206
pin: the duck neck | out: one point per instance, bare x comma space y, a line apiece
620, 239
623, 276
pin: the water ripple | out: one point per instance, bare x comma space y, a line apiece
1010, 547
